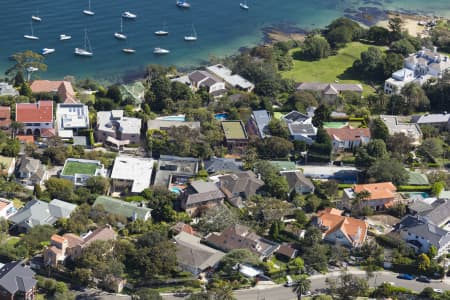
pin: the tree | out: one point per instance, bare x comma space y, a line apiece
423, 262
399, 144
37, 237
379, 35
348, 286
433, 147
391, 63
432, 251
376, 148
379, 130
415, 97
222, 290
302, 285
97, 185
360, 198
300, 101
316, 47
321, 114
11, 148
330, 188
437, 188
148, 294
321, 149
402, 47
388, 170
371, 61
274, 147
396, 26
60, 188
25, 60
161, 89
278, 128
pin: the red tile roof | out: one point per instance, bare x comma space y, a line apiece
40, 112
61, 87
25, 139
348, 133
5, 116
382, 190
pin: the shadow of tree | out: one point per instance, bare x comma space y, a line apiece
300, 55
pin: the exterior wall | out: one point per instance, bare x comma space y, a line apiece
4, 211
36, 126
339, 238
217, 87
306, 139
405, 235
303, 189
134, 138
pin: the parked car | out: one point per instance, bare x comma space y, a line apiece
289, 281
439, 291
406, 276
423, 279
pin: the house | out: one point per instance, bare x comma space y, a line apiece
421, 234
7, 165
71, 117
296, 117
7, 208
439, 121
193, 256
25, 139
300, 127
222, 165
132, 174
286, 252
126, 209
175, 171
241, 237
203, 79
116, 129
17, 282
258, 123
5, 117
232, 80
61, 88
411, 130
7, 89
31, 171
236, 138
381, 195
439, 213
80, 170
330, 91
239, 186
37, 118
348, 138
37, 212
201, 195
72, 246
298, 183
341, 230
165, 125
418, 68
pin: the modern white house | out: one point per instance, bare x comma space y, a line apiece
418, 68
300, 127
411, 130
80, 170
116, 129
232, 80
131, 174
70, 117
7, 208
7, 89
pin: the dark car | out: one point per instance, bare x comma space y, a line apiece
406, 276
423, 279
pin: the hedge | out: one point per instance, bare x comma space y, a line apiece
342, 186
414, 188
352, 119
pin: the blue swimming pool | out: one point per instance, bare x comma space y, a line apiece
221, 116
175, 190
179, 118
419, 195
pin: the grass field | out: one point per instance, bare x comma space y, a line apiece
331, 69
73, 167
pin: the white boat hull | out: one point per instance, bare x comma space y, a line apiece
183, 4
31, 37
128, 15
88, 12
64, 37
128, 50
35, 18
161, 32
47, 51
190, 38
82, 52
243, 6
120, 36
160, 51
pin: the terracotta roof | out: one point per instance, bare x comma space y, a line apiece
287, 251
5, 116
40, 112
380, 190
48, 132
57, 239
348, 133
25, 138
354, 229
101, 234
45, 86
183, 227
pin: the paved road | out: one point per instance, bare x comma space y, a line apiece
279, 292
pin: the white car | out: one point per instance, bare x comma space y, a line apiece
439, 291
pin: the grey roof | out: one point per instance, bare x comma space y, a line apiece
297, 178
191, 253
433, 118
204, 197
198, 76
216, 164
165, 124
122, 208
245, 183
295, 116
15, 277
329, 88
418, 226
262, 119
440, 213
209, 82
29, 165
419, 206
38, 212
303, 129
201, 186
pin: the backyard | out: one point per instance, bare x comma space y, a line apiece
74, 167
331, 69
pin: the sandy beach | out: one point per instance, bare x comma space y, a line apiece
410, 23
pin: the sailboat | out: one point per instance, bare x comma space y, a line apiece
159, 50
192, 37
36, 17
46, 51
64, 37
162, 31
183, 4
88, 11
86, 50
32, 36
128, 15
129, 50
120, 35
243, 5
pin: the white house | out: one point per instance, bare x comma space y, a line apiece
233, 80
70, 117
131, 173
7, 208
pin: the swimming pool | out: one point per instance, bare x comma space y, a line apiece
418, 195
221, 116
175, 190
179, 118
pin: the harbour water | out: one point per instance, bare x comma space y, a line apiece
222, 28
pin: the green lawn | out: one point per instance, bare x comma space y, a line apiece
330, 69
73, 167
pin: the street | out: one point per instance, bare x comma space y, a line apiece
279, 292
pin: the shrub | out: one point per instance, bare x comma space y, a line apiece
414, 188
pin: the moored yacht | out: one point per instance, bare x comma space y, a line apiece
159, 50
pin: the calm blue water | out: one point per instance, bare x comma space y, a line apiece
222, 28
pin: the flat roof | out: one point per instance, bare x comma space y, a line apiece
136, 169
234, 130
76, 166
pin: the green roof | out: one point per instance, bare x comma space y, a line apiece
234, 130
284, 165
278, 115
77, 167
334, 124
417, 179
122, 208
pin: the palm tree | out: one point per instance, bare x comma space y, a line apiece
15, 128
302, 285
360, 197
